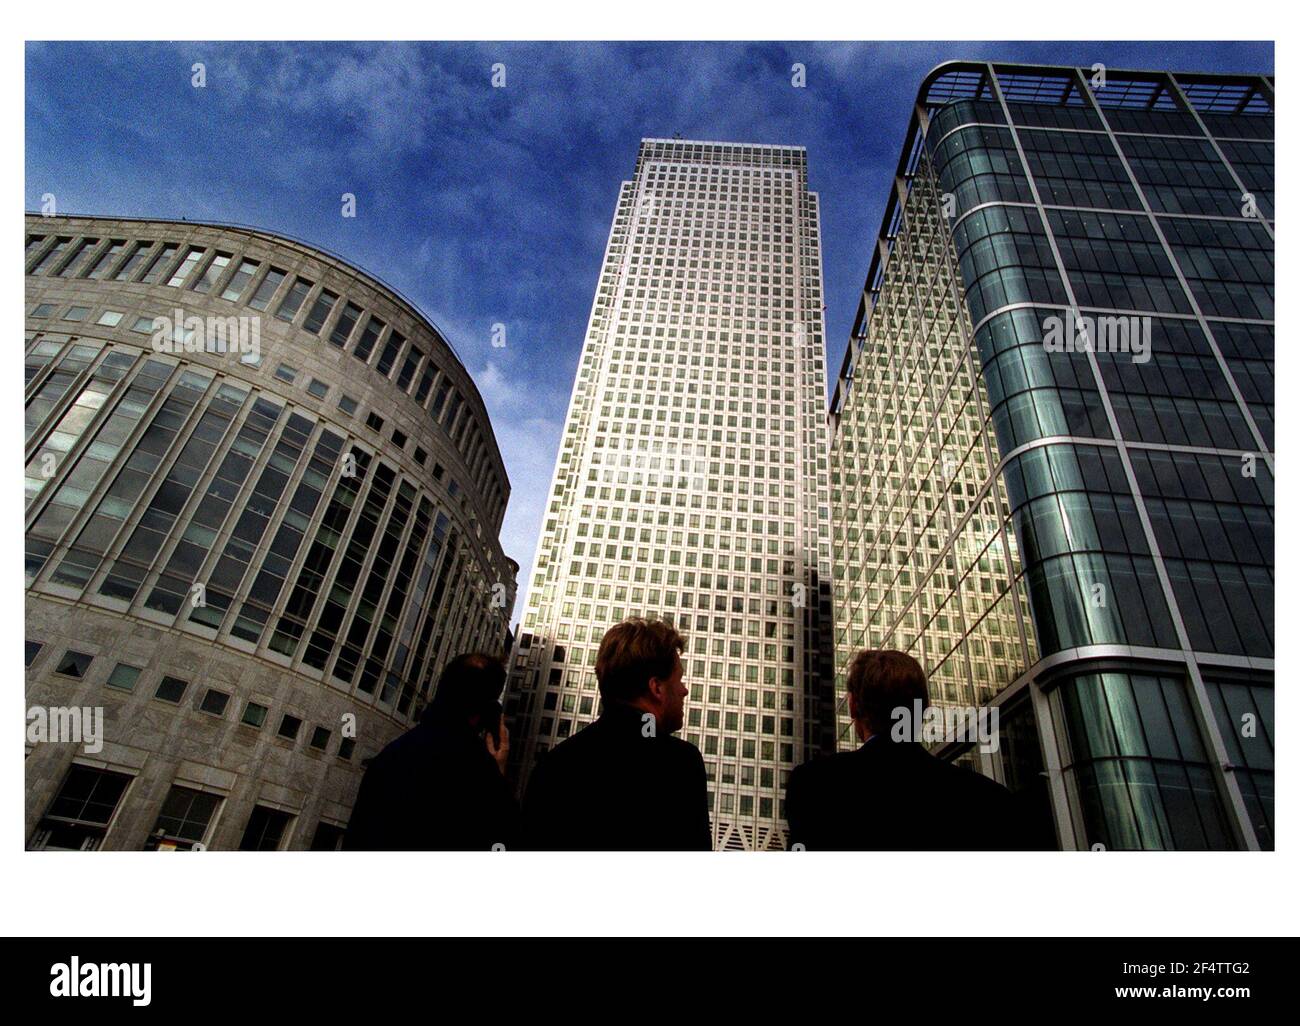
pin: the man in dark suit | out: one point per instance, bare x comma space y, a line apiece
624, 783
891, 793
441, 786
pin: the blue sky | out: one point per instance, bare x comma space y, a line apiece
491, 205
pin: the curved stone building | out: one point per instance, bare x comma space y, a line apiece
263, 500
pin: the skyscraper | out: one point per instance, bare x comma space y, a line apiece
691, 481
1051, 455
263, 498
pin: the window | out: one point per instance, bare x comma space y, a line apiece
254, 714
389, 355
374, 421
52, 254
320, 310
369, 336
186, 266
123, 677
409, 366
171, 689
347, 404
76, 313
211, 273
345, 747
267, 289
291, 303
98, 268
420, 456
74, 664
320, 738
317, 388
31, 650
399, 438
43, 310
346, 322
110, 318
239, 281
426, 383
265, 829
66, 270
183, 820
132, 263
144, 325
439, 400
158, 264
78, 817
214, 702
328, 837
286, 373
289, 727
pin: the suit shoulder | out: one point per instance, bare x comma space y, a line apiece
560, 755
991, 787
685, 755
570, 750
684, 750
976, 783
392, 755
823, 766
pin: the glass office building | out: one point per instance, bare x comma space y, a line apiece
1051, 452
691, 482
262, 510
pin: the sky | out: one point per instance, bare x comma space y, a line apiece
488, 205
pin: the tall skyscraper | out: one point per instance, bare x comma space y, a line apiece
263, 499
691, 481
1051, 456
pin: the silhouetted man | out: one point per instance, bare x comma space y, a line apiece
441, 785
624, 783
891, 793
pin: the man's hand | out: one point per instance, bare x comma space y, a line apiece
499, 751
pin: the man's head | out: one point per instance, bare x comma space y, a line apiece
880, 682
468, 693
639, 664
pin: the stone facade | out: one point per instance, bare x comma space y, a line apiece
314, 535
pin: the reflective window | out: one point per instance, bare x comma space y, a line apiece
319, 312
185, 267
293, 299
234, 289
212, 273
266, 289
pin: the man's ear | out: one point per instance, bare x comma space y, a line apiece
657, 688
853, 706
